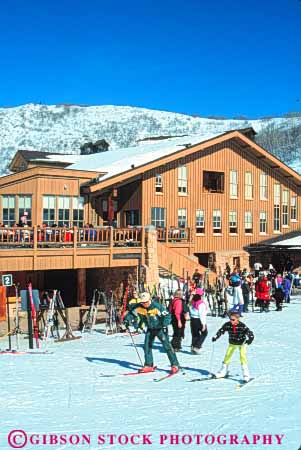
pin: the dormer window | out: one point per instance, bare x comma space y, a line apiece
159, 183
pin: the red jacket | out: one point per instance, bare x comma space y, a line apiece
262, 290
176, 307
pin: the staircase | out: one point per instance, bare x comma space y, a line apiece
181, 264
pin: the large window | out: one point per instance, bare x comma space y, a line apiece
8, 210
25, 209
248, 186
200, 221
217, 221
64, 211
213, 181
294, 208
182, 180
49, 209
263, 222
159, 183
182, 218
285, 197
158, 217
78, 211
248, 222
233, 183
277, 199
263, 186
132, 217
233, 222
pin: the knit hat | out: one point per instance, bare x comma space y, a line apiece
199, 291
145, 297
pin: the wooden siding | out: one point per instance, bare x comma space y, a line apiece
221, 158
43, 185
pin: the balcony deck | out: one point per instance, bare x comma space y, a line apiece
35, 248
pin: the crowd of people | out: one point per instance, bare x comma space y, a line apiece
190, 302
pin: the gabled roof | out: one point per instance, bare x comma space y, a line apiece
125, 164
42, 158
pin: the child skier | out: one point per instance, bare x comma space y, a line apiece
239, 335
156, 318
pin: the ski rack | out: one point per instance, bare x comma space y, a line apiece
90, 320
57, 308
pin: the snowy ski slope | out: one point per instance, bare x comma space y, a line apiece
63, 393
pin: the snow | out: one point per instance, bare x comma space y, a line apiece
64, 128
121, 160
63, 393
292, 242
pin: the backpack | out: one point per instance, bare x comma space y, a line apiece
235, 280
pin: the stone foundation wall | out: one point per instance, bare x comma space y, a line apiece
224, 257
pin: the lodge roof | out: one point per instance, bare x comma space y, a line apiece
39, 171
43, 158
125, 164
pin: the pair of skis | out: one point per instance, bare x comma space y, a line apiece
240, 385
164, 377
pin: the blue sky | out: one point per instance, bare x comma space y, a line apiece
223, 58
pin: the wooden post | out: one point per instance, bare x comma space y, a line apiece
74, 247
142, 245
111, 244
81, 287
35, 246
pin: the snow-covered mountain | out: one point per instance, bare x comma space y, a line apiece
64, 128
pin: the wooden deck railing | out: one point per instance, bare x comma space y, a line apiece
37, 237
173, 235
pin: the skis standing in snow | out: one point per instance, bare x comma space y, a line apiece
239, 336
156, 318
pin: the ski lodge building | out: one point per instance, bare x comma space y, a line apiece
164, 205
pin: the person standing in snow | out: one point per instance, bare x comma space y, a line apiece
286, 286
239, 336
257, 268
238, 301
246, 289
156, 319
178, 319
263, 294
198, 312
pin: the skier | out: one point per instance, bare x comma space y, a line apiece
238, 301
263, 294
286, 286
198, 312
156, 318
279, 297
178, 311
239, 335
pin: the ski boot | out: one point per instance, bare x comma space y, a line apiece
195, 350
245, 373
223, 372
147, 369
174, 370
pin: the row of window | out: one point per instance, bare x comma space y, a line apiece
214, 182
61, 210
158, 219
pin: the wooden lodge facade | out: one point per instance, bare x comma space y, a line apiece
203, 204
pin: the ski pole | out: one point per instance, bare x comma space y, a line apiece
130, 333
211, 357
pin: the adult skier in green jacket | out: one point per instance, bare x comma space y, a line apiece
156, 319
